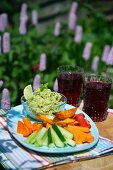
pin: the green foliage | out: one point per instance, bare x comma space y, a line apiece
16, 67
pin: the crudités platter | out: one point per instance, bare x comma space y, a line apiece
16, 114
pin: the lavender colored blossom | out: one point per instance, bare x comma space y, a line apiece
87, 51
0, 44
110, 57
57, 29
5, 101
74, 7
95, 63
55, 86
36, 82
34, 17
23, 28
23, 19
23, 13
105, 53
78, 34
6, 42
72, 21
3, 22
1, 83
42, 65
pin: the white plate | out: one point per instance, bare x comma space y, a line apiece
16, 114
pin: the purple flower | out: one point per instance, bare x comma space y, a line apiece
78, 34
34, 17
36, 82
42, 65
105, 53
1, 83
57, 29
74, 7
23, 28
55, 86
95, 63
23, 12
6, 42
72, 21
23, 19
87, 51
5, 101
0, 44
110, 57
3, 22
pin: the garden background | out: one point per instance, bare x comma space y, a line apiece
37, 36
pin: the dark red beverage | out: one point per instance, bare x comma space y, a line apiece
70, 84
96, 97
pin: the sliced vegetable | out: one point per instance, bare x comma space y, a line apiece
44, 118
50, 139
31, 138
48, 126
56, 139
66, 113
70, 142
65, 133
83, 129
45, 139
20, 127
58, 132
40, 135
27, 122
26, 131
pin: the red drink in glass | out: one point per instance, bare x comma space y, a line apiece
70, 84
96, 97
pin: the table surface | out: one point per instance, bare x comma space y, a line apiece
104, 163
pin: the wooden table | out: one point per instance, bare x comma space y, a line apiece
104, 163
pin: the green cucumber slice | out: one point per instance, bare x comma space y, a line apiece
30, 138
45, 139
50, 139
56, 139
58, 132
40, 135
65, 132
70, 142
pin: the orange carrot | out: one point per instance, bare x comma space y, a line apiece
26, 131
89, 137
27, 122
44, 118
48, 126
34, 126
83, 129
78, 133
39, 126
20, 127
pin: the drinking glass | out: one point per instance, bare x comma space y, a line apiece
96, 91
70, 80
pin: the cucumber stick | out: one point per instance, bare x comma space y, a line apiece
50, 139
56, 129
70, 142
31, 138
65, 132
40, 135
56, 139
45, 139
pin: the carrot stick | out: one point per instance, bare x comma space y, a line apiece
48, 126
89, 137
83, 129
27, 122
26, 131
20, 127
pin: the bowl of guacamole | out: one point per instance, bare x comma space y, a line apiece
43, 101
